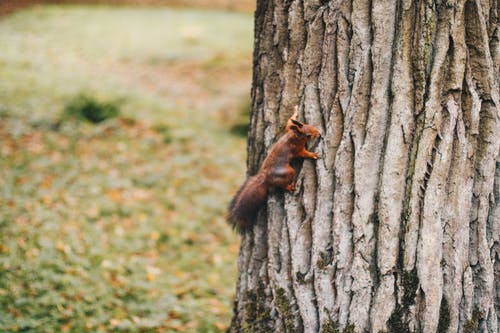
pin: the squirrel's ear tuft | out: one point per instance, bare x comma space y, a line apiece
293, 120
295, 112
295, 128
298, 123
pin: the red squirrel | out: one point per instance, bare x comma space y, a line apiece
276, 171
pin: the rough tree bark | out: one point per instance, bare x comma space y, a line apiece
397, 227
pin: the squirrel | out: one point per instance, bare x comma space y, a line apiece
276, 172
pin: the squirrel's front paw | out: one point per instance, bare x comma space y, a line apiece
314, 156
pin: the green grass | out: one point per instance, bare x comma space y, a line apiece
116, 226
52, 52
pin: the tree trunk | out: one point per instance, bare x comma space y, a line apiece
397, 227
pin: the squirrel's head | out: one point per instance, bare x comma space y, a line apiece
306, 131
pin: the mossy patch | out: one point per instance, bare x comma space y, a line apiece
332, 327
89, 108
396, 322
241, 125
409, 280
472, 325
350, 328
285, 309
325, 259
257, 313
300, 277
444, 316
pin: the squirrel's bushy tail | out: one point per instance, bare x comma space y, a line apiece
245, 204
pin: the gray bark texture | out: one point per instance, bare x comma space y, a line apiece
397, 227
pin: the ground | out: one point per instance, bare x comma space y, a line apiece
119, 226
248, 6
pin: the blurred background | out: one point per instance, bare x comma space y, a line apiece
122, 138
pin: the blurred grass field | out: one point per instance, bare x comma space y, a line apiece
119, 226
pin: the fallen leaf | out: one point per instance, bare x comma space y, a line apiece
155, 235
115, 322
65, 328
152, 272
62, 247
114, 195
221, 326
47, 181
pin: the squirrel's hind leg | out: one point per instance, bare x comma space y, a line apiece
283, 178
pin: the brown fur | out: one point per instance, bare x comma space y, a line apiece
276, 171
